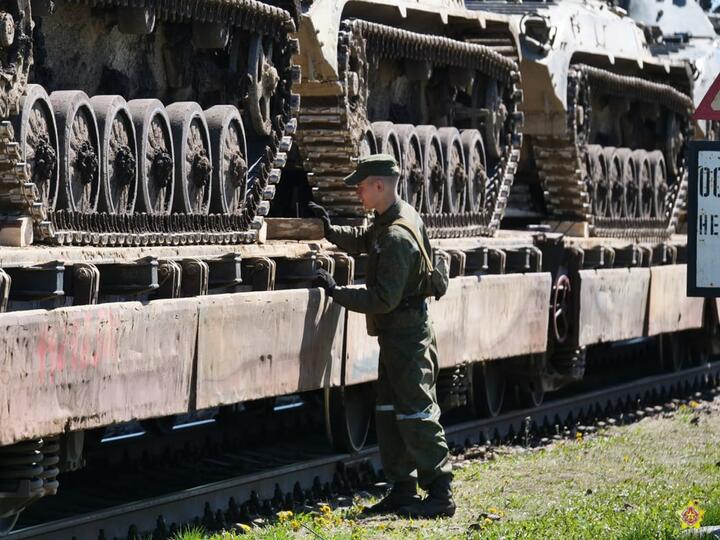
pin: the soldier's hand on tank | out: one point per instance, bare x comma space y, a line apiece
324, 279
322, 214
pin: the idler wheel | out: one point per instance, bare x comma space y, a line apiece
230, 166
118, 163
599, 185
613, 170
79, 161
348, 411
645, 193
454, 165
156, 166
630, 181
411, 175
658, 175
263, 80
193, 158
476, 170
434, 173
388, 142
487, 389
39, 142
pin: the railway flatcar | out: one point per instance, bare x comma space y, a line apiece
142, 147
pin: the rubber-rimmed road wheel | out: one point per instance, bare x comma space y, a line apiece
230, 167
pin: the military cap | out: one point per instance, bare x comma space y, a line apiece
375, 165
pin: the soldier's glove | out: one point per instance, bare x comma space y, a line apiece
322, 214
324, 279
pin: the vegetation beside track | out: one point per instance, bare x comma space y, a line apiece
625, 483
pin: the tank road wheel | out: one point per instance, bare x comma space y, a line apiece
366, 145
476, 169
230, 167
629, 177
118, 163
454, 165
487, 388
598, 181
39, 142
263, 80
433, 171
79, 151
388, 142
348, 411
493, 114
644, 183
658, 176
156, 169
193, 158
15, 54
412, 165
613, 169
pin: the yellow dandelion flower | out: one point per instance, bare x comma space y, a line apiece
284, 515
626, 458
325, 509
295, 525
578, 436
694, 404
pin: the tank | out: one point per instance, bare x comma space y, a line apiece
144, 125
687, 32
432, 83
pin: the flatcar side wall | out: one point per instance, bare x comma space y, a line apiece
480, 318
263, 344
88, 366
670, 309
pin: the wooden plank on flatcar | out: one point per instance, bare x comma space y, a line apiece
88, 366
613, 304
262, 344
670, 308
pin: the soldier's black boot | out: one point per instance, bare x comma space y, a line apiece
401, 494
438, 503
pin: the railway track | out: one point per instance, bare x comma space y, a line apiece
284, 479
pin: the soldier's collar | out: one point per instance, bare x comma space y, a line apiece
387, 217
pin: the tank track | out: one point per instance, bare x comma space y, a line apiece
19, 197
561, 160
331, 131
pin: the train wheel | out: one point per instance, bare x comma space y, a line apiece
530, 394
7, 523
412, 170
434, 172
264, 79
672, 352
156, 156
348, 411
193, 170
79, 151
487, 389
388, 142
118, 164
230, 167
599, 180
455, 174
39, 142
476, 169
658, 175
560, 314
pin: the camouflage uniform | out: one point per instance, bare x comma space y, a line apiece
407, 414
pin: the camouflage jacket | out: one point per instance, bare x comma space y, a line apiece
395, 270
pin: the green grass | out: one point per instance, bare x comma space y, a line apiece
628, 483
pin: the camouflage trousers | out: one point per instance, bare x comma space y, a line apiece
411, 439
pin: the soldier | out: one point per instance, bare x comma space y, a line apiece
412, 441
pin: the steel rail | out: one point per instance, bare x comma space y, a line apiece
185, 505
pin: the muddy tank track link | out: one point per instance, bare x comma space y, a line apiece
334, 130
65, 226
563, 161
